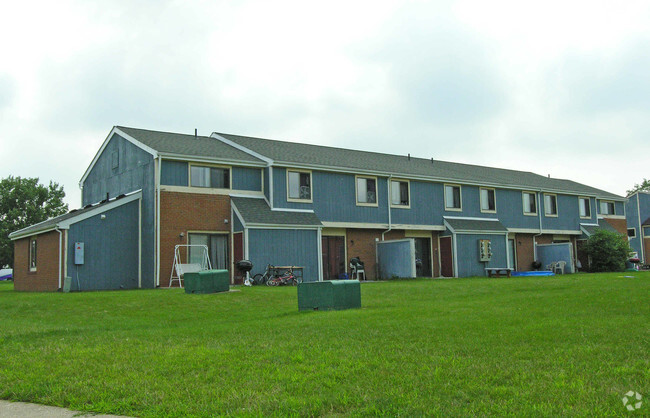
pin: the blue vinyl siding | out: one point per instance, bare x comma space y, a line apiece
110, 250
174, 173
247, 178
427, 206
135, 171
468, 254
284, 247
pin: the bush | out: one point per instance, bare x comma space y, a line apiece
607, 251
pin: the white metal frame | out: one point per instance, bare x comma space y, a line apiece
179, 268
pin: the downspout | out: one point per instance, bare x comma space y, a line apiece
158, 221
640, 234
390, 224
539, 215
60, 252
271, 185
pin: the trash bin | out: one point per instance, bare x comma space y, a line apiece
329, 295
207, 281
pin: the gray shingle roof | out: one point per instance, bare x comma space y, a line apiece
291, 152
52, 223
181, 144
602, 224
474, 225
257, 211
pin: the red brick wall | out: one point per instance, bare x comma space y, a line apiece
618, 224
46, 276
361, 243
183, 212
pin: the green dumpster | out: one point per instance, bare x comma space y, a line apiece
329, 295
207, 281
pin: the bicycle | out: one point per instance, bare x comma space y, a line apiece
288, 278
260, 278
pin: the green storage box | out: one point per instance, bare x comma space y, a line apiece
329, 295
208, 281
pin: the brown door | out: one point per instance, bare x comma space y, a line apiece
333, 257
238, 252
446, 257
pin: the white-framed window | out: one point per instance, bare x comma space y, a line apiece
366, 191
207, 176
550, 204
32, 254
453, 199
607, 207
400, 193
299, 186
488, 200
584, 204
631, 232
529, 200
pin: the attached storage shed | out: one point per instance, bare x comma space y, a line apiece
97, 247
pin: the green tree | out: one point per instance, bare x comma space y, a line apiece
608, 251
643, 187
25, 202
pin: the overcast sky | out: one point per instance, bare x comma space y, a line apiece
559, 88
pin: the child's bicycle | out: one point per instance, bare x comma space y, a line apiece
286, 279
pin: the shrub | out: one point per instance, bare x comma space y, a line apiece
608, 251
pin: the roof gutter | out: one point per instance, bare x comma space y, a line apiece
390, 223
60, 253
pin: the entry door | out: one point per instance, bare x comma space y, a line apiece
423, 255
512, 254
333, 257
446, 257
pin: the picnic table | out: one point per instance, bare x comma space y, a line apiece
498, 271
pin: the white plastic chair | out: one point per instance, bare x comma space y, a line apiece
559, 267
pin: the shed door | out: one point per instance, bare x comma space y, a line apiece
446, 257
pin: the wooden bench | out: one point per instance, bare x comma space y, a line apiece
498, 272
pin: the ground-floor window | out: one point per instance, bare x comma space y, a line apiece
217, 249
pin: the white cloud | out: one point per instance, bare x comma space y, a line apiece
557, 87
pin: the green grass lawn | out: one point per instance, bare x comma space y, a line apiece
523, 346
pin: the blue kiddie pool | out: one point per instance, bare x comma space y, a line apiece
6, 274
532, 273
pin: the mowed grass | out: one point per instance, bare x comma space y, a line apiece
523, 346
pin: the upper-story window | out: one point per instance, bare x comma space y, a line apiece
585, 207
399, 193
550, 204
530, 203
299, 186
488, 200
452, 197
209, 176
631, 232
607, 207
32, 254
367, 191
